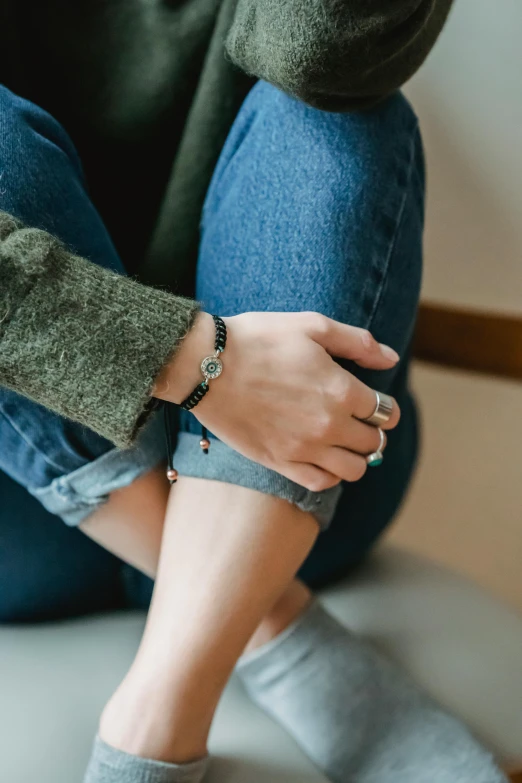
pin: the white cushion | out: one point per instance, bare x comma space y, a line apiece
462, 644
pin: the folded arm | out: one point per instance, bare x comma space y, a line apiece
83, 341
337, 55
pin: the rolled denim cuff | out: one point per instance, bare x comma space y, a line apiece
75, 496
224, 464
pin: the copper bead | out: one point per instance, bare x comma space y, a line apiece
172, 474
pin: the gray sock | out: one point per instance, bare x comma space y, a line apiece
108, 765
358, 717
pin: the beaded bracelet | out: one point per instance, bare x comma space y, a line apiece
211, 367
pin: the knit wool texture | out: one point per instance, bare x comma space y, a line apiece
337, 55
148, 92
83, 341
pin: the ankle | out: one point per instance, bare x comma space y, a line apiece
288, 608
151, 723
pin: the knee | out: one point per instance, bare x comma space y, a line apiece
331, 203
345, 154
341, 175
23, 122
29, 133
33, 147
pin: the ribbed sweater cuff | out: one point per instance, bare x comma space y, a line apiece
79, 339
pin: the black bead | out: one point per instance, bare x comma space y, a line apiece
199, 392
221, 333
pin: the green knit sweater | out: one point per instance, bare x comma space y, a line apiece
148, 90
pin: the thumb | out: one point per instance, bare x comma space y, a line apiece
351, 342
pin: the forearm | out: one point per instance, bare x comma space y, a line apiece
79, 339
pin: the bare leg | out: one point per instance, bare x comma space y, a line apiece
226, 576
227, 555
131, 524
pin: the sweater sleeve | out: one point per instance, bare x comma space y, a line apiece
337, 55
81, 340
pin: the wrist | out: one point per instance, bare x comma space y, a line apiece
182, 373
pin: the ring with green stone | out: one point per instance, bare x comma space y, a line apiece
376, 458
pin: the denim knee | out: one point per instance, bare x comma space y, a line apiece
318, 211
36, 156
27, 129
310, 210
42, 182
345, 154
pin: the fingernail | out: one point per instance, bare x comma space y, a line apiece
389, 353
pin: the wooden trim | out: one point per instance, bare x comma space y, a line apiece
470, 340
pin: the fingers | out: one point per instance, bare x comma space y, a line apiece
336, 463
350, 342
310, 476
363, 400
333, 465
358, 437
343, 463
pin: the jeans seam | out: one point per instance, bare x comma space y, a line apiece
217, 178
29, 443
400, 217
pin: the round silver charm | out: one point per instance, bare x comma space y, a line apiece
211, 367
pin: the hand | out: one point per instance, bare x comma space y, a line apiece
282, 401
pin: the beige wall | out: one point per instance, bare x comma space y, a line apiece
466, 505
469, 99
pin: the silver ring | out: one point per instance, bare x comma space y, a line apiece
383, 410
375, 459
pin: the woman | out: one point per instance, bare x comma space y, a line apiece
117, 121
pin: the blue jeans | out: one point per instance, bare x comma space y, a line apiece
307, 210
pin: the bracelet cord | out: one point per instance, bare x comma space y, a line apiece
190, 402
